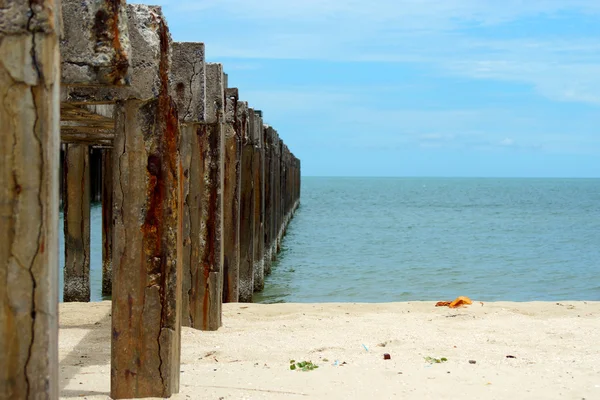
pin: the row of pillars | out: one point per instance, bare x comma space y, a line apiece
196, 191
257, 205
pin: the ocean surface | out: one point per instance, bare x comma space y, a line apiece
408, 239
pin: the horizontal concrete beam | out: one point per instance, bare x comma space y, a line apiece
95, 49
149, 36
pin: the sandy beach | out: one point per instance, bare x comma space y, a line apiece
555, 345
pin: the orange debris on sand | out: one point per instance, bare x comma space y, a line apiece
458, 302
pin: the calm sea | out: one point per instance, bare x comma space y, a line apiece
406, 239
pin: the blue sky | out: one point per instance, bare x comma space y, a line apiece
505, 88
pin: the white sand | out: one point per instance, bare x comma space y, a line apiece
557, 350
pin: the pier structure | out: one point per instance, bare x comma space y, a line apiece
98, 103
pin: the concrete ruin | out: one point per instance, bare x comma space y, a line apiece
196, 191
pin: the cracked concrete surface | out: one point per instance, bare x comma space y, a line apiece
28, 199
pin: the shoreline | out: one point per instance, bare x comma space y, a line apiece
555, 345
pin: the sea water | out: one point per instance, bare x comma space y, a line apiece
407, 239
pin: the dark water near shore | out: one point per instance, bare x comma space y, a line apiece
401, 239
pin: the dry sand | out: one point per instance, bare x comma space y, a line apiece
556, 345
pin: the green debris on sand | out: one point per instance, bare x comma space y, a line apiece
432, 360
302, 366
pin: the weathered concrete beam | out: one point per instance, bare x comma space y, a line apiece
293, 185
206, 210
185, 151
285, 193
280, 191
93, 113
100, 139
246, 275
145, 74
107, 220
95, 48
76, 200
231, 199
276, 174
29, 201
258, 176
268, 133
87, 124
198, 91
147, 231
188, 87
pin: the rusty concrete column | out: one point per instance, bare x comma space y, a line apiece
289, 183
286, 184
77, 223
284, 192
289, 186
246, 275
284, 174
279, 171
29, 199
268, 219
267, 201
188, 88
96, 43
231, 201
277, 202
255, 127
185, 152
206, 209
147, 248
299, 184
294, 185
271, 211
107, 217
280, 199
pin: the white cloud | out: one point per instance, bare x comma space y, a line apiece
312, 113
425, 31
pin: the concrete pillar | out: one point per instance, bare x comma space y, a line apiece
188, 88
187, 138
258, 169
268, 144
246, 275
286, 188
277, 195
284, 176
107, 221
29, 199
280, 200
299, 184
206, 209
231, 201
77, 223
147, 250
284, 193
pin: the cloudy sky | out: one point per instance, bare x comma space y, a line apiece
505, 88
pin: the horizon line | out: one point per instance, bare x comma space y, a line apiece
450, 177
